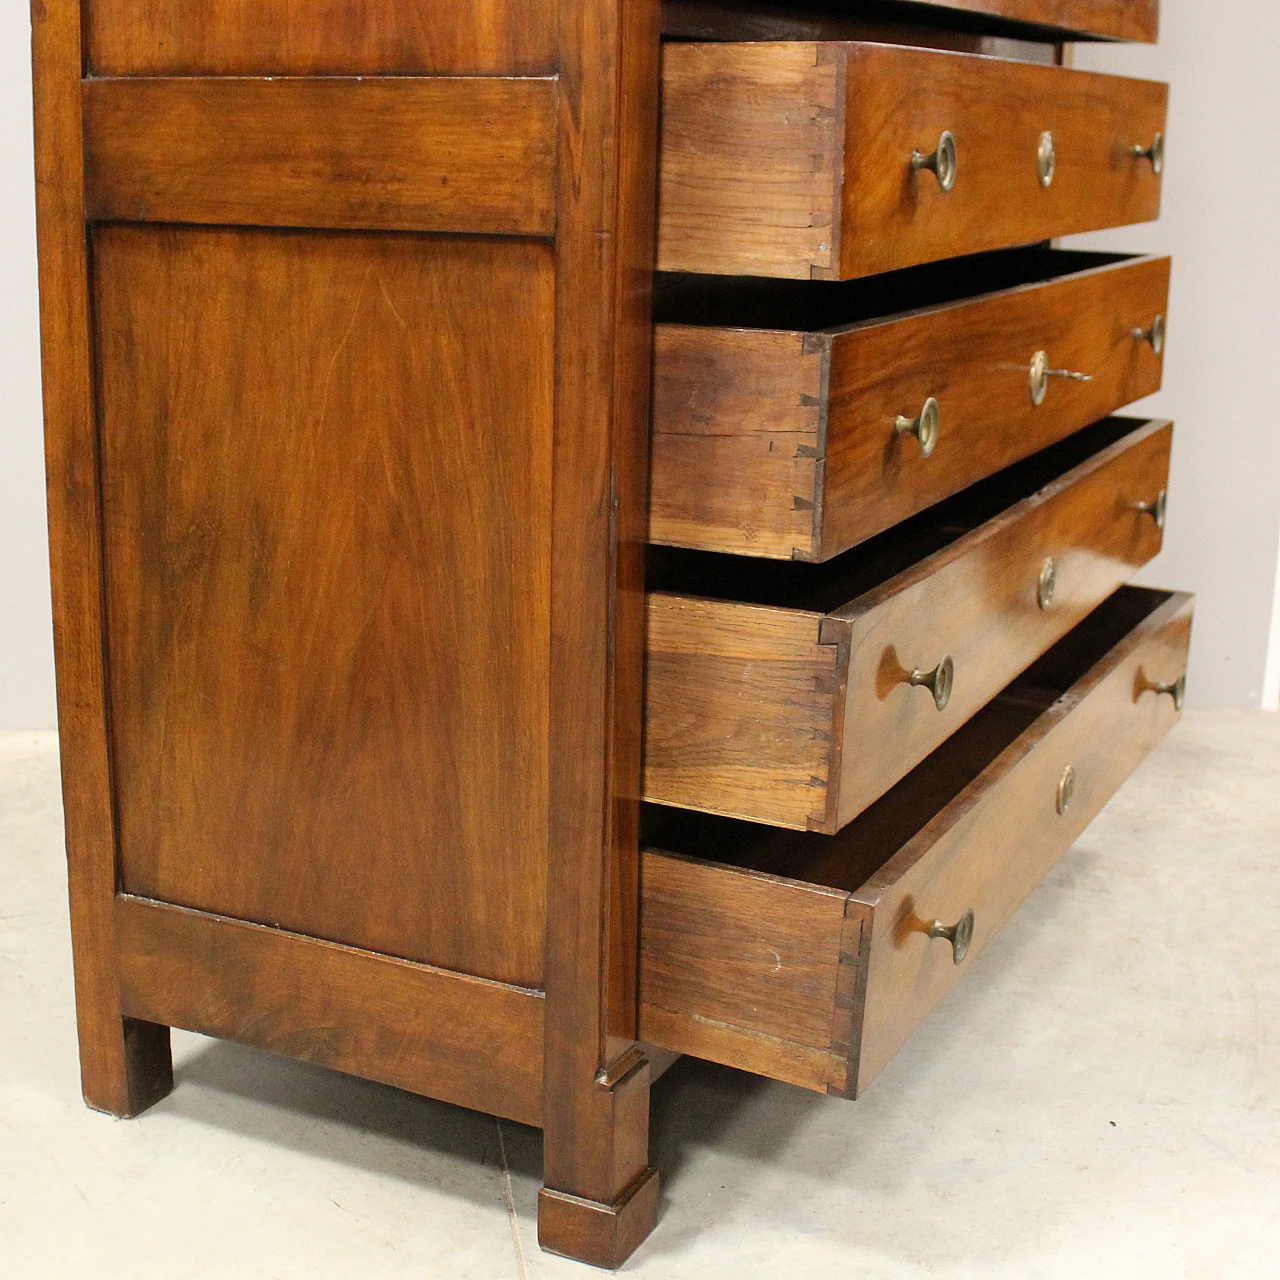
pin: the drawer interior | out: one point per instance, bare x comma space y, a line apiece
821, 588
848, 861
809, 306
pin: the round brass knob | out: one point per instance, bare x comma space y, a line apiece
960, 935
942, 162
1066, 789
938, 681
1154, 335
1048, 582
924, 428
1154, 153
1040, 374
1046, 158
1177, 691
1156, 510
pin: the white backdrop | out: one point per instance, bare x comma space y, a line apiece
1221, 222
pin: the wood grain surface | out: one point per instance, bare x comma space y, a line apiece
802, 717
781, 443
794, 158
806, 958
474, 1043
125, 1064
326, 479
600, 1194
990, 849
740, 708
441, 154
321, 37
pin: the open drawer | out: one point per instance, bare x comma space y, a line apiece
796, 419
812, 958
797, 694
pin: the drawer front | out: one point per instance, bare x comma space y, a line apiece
783, 444
989, 861
801, 720
795, 158
979, 604
820, 987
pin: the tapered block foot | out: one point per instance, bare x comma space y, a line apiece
604, 1235
130, 1074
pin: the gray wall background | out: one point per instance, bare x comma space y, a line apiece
1221, 221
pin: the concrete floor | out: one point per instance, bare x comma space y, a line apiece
1100, 1098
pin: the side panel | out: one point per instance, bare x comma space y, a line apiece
326, 480
319, 37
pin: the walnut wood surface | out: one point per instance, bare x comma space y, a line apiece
600, 1195
817, 973
793, 158
737, 438
328, 622
786, 716
446, 1035
321, 37
125, 1065
436, 154
782, 444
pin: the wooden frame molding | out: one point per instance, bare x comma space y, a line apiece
409, 1025
596, 1117
442, 153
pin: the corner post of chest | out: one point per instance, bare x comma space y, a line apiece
125, 1064
600, 1195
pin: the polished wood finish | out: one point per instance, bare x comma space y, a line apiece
328, 625
733, 20
125, 1065
782, 708
447, 1035
322, 37
807, 958
794, 159
781, 442
600, 1195
438, 154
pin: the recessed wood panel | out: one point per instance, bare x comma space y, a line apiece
319, 37
326, 488
447, 154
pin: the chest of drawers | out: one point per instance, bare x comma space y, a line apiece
438, 704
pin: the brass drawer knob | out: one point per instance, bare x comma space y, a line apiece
1177, 691
924, 428
1041, 373
938, 681
1048, 582
960, 935
1046, 158
1154, 153
1066, 789
1154, 335
942, 162
1156, 509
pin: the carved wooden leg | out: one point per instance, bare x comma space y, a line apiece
601, 1194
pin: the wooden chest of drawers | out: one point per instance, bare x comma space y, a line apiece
412, 722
